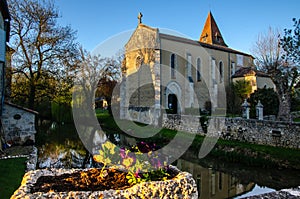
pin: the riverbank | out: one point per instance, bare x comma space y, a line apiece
244, 153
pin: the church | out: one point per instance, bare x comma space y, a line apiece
166, 73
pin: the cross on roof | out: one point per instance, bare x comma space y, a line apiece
140, 17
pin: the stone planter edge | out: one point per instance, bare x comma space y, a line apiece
181, 186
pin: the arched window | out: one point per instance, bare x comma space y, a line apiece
138, 62
173, 66
232, 68
198, 69
221, 70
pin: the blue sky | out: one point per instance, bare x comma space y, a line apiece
239, 21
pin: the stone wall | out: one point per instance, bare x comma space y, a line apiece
186, 123
264, 132
295, 114
146, 115
272, 133
18, 124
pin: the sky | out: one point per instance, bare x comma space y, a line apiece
239, 21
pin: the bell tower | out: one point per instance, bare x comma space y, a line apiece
211, 33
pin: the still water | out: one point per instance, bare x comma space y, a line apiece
215, 180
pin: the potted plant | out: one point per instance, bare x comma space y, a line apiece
125, 173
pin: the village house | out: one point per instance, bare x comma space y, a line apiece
17, 124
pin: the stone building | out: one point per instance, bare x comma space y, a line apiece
4, 37
256, 78
177, 74
17, 124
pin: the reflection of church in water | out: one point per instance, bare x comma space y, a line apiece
213, 184
164, 71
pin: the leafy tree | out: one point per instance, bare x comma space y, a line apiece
269, 100
43, 49
242, 89
238, 91
46, 88
110, 78
233, 101
279, 57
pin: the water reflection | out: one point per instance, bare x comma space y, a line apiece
66, 151
55, 155
213, 184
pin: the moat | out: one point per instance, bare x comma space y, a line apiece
214, 178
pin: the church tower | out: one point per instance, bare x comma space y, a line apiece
211, 33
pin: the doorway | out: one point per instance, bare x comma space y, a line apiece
172, 104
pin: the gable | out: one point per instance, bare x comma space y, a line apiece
143, 37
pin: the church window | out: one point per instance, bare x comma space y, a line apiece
240, 60
198, 69
189, 65
213, 70
138, 62
221, 71
217, 37
173, 66
232, 68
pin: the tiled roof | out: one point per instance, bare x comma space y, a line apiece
211, 33
197, 43
249, 71
22, 108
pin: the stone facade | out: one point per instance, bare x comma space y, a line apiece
165, 71
18, 124
263, 132
140, 89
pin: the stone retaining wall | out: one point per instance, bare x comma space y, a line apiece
272, 133
186, 123
264, 132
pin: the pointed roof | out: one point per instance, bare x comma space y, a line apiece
211, 33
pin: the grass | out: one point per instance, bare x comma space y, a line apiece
12, 171
297, 120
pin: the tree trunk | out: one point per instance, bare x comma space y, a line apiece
284, 108
31, 99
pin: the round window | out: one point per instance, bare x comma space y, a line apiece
17, 116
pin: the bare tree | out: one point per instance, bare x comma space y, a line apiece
271, 58
91, 69
42, 47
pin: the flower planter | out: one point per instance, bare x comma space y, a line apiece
181, 186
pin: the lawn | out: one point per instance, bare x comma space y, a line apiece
12, 171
